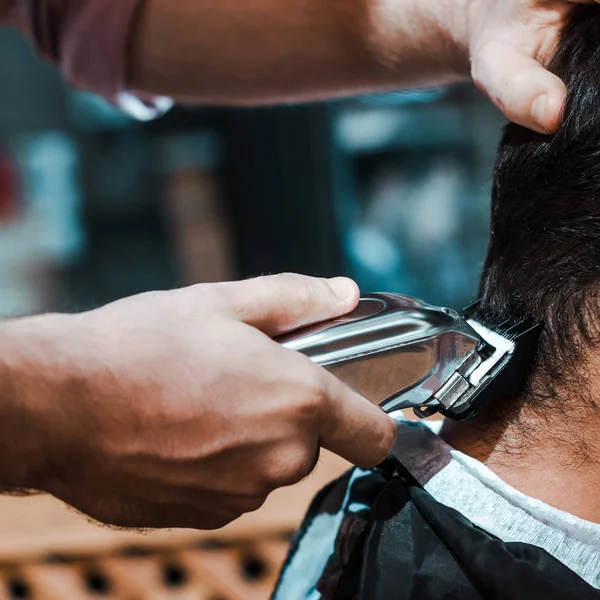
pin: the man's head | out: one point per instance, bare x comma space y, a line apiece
544, 255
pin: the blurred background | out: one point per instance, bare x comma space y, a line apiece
392, 190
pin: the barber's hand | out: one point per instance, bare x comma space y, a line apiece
510, 43
177, 409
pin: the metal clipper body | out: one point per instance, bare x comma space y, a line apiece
401, 353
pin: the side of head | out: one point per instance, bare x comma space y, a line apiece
544, 255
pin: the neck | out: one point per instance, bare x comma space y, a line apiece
552, 457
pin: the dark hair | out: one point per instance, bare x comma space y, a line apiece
544, 255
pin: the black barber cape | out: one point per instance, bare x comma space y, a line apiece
403, 545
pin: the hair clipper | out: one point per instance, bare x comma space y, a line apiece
402, 353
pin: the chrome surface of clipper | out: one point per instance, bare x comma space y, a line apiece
402, 353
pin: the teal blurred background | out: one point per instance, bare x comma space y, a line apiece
392, 190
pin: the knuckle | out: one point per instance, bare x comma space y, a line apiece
514, 99
288, 468
306, 289
301, 464
250, 504
312, 390
216, 295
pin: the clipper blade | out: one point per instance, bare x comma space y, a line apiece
518, 340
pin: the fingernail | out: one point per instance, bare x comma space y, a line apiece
343, 288
539, 111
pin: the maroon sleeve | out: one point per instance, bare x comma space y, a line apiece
88, 40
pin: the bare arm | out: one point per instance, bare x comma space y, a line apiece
4, 11
257, 51
227, 51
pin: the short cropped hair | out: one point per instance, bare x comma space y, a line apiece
543, 260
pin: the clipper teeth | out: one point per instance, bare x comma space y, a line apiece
503, 348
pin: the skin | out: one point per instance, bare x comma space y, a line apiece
305, 49
177, 409
551, 455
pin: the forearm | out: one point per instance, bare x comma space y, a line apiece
27, 394
4, 11
258, 51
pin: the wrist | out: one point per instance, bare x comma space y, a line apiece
29, 390
436, 29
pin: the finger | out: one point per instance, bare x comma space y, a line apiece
354, 428
281, 303
520, 87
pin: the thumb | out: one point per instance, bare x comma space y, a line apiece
520, 87
278, 304
354, 428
